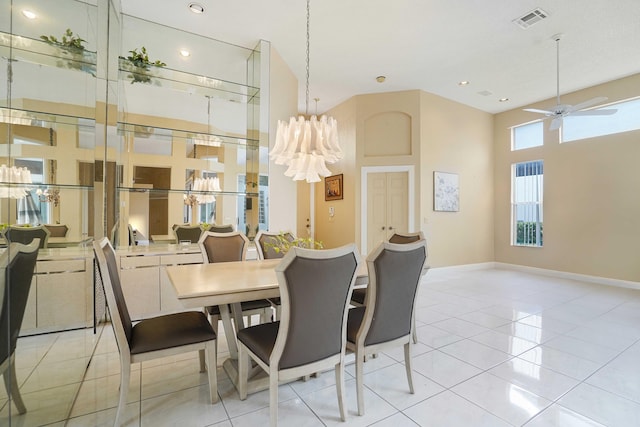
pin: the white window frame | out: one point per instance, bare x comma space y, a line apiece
524, 204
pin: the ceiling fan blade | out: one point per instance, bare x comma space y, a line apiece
556, 123
588, 103
607, 112
535, 110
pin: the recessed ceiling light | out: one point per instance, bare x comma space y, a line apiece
185, 52
196, 8
463, 83
381, 79
29, 14
503, 99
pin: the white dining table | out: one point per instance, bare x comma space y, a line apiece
230, 283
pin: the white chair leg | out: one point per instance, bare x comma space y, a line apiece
203, 363
11, 384
414, 333
125, 374
340, 390
360, 358
407, 365
243, 371
273, 398
212, 369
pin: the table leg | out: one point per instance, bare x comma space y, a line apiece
229, 332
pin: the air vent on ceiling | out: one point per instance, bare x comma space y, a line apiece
530, 18
485, 93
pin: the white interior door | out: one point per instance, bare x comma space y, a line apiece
387, 206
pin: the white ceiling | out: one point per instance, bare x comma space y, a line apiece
426, 44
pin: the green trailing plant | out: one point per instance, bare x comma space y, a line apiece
139, 65
283, 242
68, 40
72, 52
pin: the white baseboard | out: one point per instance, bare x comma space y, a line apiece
567, 275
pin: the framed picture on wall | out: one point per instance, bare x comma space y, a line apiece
446, 192
333, 187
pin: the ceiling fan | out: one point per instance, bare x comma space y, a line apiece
561, 111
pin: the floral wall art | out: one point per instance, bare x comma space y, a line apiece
446, 192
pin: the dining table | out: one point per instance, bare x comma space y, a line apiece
227, 284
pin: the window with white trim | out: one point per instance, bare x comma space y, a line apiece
526, 203
627, 118
527, 135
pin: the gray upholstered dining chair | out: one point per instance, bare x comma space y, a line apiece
387, 318
57, 230
223, 228
17, 264
24, 235
191, 233
315, 288
360, 294
154, 337
263, 240
227, 247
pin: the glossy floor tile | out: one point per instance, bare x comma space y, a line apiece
496, 348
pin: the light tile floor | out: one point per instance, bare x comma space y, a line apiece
497, 348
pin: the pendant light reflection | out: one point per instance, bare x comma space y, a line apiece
13, 180
306, 146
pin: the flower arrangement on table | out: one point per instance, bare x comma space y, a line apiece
282, 243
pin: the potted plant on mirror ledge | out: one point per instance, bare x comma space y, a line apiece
71, 52
139, 65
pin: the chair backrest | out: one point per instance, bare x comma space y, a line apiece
114, 234
191, 233
315, 289
132, 235
403, 238
264, 239
17, 264
394, 275
223, 247
108, 270
24, 235
224, 228
57, 230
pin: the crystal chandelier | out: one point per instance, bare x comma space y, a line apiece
47, 196
307, 145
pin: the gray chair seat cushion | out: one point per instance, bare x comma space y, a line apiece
359, 295
171, 330
260, 339
353, 322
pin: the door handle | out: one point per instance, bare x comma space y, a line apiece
390, 228
383, 227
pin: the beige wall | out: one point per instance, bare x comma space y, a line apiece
340, 229
457, 139
444, 136
591, 194
283, 102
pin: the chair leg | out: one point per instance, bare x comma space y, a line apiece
273, 397
125, 374
407, 365
360, 359
243, 371
203, 363
340, 390
11, 384
212, 368
414, 333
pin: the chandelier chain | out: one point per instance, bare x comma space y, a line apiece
307, 92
